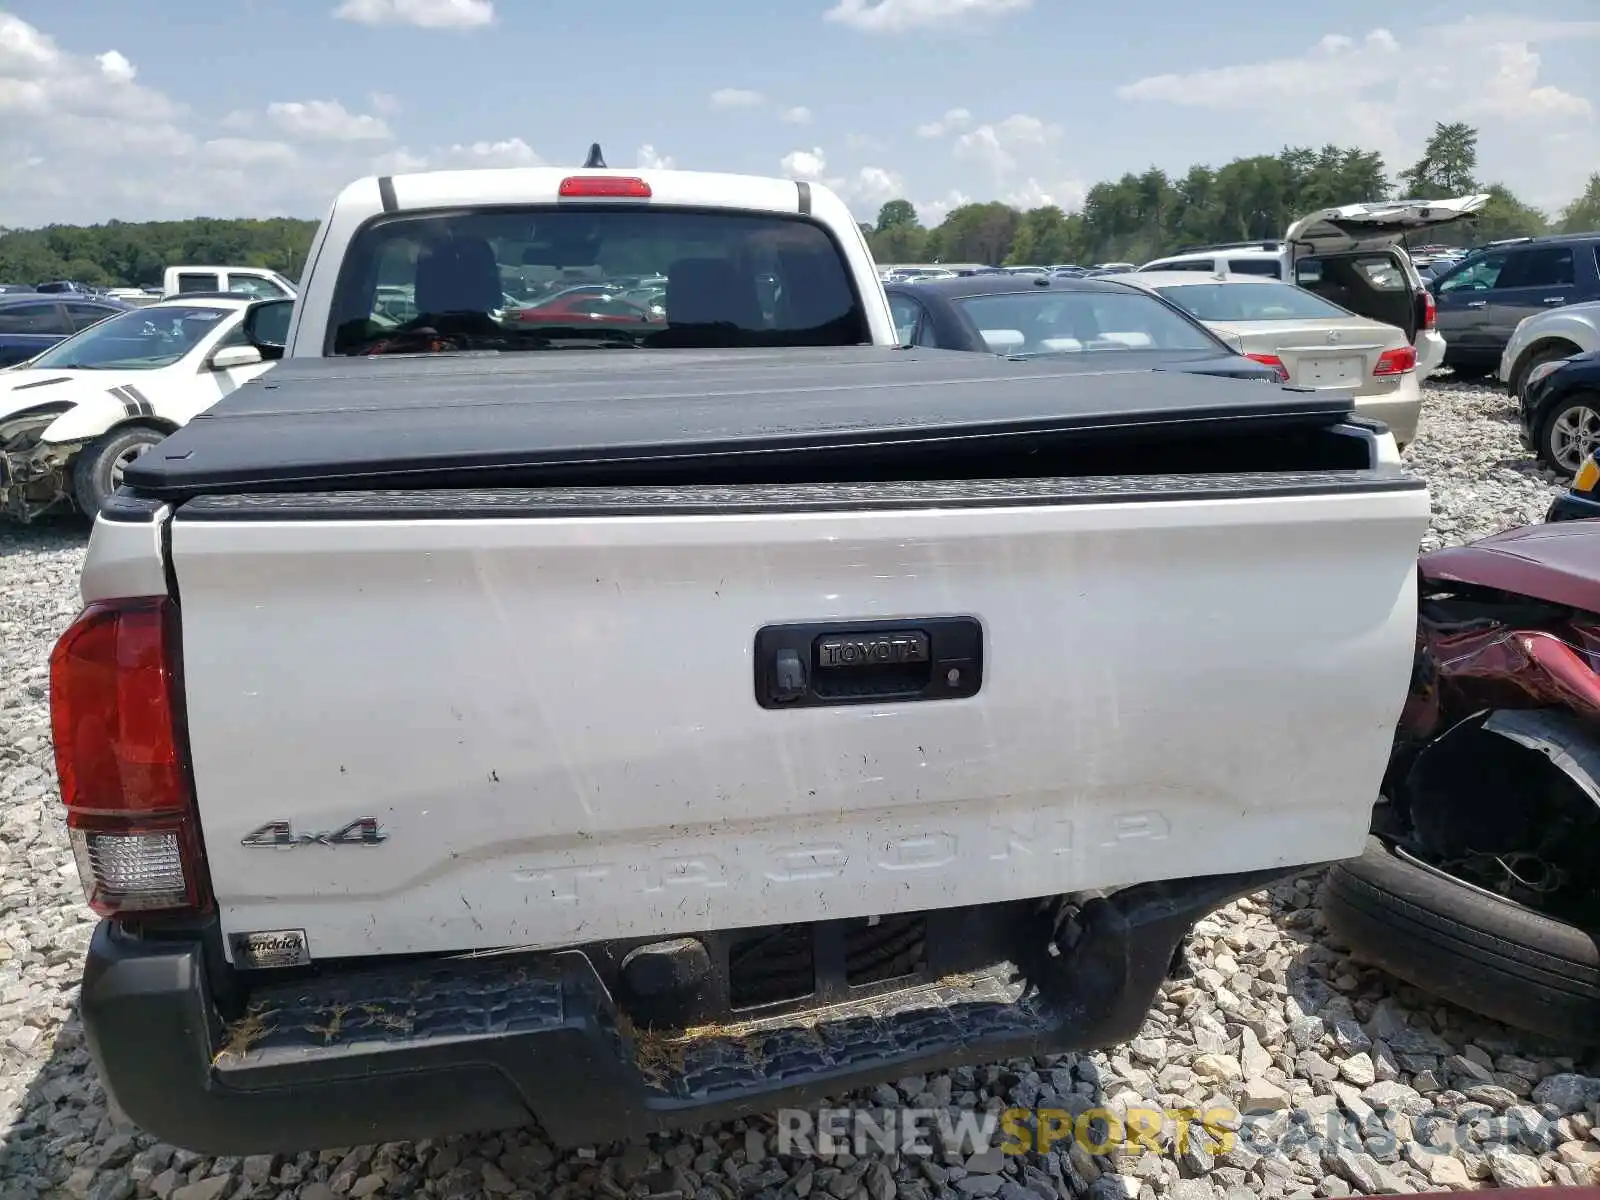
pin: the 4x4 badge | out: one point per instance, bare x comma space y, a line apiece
363, 831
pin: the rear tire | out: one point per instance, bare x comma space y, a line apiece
97, 473
1570, 432
1486, 954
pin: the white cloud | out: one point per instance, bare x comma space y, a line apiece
384, 104
115, 67
249, 152
736, 98
1066, 195
899, 16
932, 212
953, 121
89, 141
871, 188
425, 14
804, 164
328, 121
864, 190
649, 160
1005, 145
512, 152
798, 115
1384, 94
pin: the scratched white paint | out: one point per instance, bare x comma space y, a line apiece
555, 719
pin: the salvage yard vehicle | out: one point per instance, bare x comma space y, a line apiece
1559, 411
1354, 255
1488, 293
1309, 341
32, 322
1479, 882
621, 728
73, 417
256, 282
1548, 337
1094, 324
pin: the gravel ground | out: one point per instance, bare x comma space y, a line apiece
1269, 1019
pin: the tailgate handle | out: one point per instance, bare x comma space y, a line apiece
807, 665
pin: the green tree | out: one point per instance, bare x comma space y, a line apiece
121, 253
1447, 165
898, 236
1504, 216
1044, 236
1583, 214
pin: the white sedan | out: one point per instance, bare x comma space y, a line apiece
1309, 341
73, 417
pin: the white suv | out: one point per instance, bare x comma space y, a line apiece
1241, 258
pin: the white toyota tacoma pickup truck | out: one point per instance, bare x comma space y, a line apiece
491, 716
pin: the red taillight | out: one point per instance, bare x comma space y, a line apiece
1273, 361
605, 185
115, 715
1430, 310
1396, 362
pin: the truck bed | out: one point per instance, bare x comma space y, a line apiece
640, 417
531, 617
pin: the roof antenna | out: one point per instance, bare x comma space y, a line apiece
596, 161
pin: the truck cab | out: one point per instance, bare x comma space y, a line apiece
256, 282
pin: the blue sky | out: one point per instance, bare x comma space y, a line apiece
162, 108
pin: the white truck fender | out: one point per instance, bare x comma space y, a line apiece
97, 414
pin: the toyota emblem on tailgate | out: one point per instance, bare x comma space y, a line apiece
872, 649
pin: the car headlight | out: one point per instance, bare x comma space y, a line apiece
1543, 369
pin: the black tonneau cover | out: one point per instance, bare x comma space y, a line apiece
598, 416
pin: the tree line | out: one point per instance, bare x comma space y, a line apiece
134, 254
1134, 219
1144, 216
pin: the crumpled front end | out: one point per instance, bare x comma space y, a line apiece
35, 475
1495, 776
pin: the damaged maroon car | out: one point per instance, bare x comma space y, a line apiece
1481, 880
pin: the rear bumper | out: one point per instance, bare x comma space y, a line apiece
1430, 345
438, 1047
1400, 410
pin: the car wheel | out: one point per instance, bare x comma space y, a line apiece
1465, 945
98, 470
1570, 432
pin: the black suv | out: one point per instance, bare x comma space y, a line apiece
1483, 297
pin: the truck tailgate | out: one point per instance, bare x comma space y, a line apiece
554, 717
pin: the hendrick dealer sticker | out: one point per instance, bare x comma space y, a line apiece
271, 948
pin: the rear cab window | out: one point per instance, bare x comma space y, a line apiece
1271, 268
198, 281
1183, 264
503, 279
